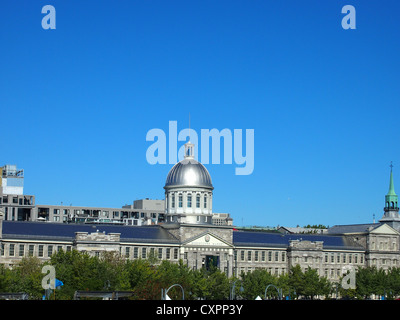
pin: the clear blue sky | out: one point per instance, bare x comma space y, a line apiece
76, 102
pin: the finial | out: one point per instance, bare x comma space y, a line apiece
391, 166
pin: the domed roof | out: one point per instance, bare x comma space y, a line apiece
189, 172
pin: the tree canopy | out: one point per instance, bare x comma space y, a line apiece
80, 271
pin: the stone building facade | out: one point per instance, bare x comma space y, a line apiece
188, 234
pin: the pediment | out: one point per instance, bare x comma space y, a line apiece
207, 239
385, 229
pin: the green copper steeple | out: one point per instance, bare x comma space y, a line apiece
391, 199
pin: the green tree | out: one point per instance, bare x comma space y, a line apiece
210, 284
255, 283
296, 280
78, 271
27, 277
5, 278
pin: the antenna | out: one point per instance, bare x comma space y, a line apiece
189, 126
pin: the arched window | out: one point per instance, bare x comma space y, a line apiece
189, 201
205, 201
392, 204
198, 201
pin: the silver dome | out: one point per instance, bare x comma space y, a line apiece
189, 172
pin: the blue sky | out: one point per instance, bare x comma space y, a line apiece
78, 101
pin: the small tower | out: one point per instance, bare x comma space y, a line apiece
189, 150
391, 209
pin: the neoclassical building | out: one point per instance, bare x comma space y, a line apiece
187, 233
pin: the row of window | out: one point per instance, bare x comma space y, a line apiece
188, 201
255, 255
21, 200
273, 271
145, 253
387, 262
45, 251
344, 258
22, 250
57, 212
383, 245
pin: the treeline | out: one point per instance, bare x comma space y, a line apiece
81, 272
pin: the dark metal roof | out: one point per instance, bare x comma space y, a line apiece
248, 238
353, 228
63, 231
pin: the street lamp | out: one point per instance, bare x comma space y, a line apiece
164, 292
232, 293
277, 289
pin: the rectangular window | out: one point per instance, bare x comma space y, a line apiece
205, 202
40, 253
269, 256
21, 250
11, 250
168, 253
276, 256
256, 256
135, 252
249, 255
263, 256
173, 201
242, 255
31, 249
180, 200
160, 250
176, 254
127, 252
144, 253
49, 251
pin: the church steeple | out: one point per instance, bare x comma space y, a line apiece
391, 198
391, 216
